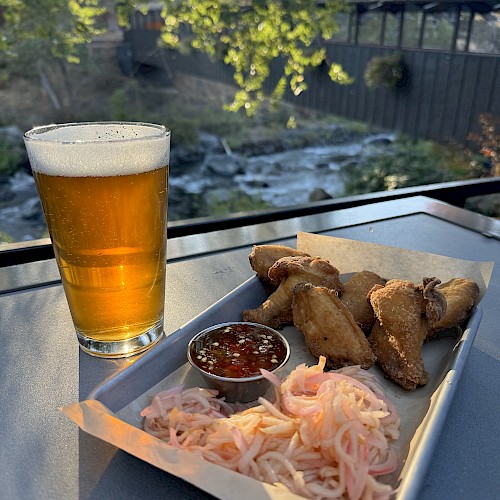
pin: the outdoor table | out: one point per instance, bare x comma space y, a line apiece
44, 455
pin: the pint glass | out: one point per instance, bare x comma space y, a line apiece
103, 188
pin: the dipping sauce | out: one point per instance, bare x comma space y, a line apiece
238, 350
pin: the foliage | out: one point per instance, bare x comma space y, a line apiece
6, 238
10, 157
118, 103
408, 163
220, 122
43, 28
42, 38
386, 71
230, 202
488, 140
187, 114
250, 37
132, 103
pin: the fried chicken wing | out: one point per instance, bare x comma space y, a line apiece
355, 294
398, 334
433, 301
288, 272
461, 294
329, 328
262, 257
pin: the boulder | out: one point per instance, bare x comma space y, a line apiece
6, 193
31, 209
225, 165
12, 135
319, 194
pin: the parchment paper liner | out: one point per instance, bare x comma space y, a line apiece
123, 429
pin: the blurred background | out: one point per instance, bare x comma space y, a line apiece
271, 104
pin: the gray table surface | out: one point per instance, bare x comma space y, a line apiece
45, 456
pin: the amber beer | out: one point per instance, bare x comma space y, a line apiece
103, 189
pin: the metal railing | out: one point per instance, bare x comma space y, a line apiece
455, 193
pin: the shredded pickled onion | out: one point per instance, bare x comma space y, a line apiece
328, 435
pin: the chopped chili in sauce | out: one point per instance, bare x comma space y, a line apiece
238, 350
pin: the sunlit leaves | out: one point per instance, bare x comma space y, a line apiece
254, 37
337, 74
271, 45
48, 27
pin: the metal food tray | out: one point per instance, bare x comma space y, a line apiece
422, 411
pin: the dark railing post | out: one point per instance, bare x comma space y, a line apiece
422, 29
458, 11
469, 29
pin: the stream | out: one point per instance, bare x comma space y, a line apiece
279, 179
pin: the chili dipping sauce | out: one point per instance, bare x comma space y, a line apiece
238, 350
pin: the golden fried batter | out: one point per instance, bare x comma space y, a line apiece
262, 257
329, 328
289, 272
461, 295
355, 294
397, 335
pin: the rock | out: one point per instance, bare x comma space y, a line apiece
184, 156
23, 183
12, 135
180, 204
31, 209
225, 165
258, 183
340, 158
6, 193
486, 204
17, 156
181, 156
319, 194
379, 140
351, 163
261, 147
210, 142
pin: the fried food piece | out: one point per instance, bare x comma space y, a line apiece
355, 294
398, 334
262, 257
461, 295
289, 272
433, 301
329, 327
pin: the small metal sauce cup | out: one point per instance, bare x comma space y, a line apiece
244, 389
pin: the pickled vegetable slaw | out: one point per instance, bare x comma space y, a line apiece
328, 435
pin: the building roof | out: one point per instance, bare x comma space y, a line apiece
479, 6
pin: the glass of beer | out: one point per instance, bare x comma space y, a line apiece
103, 188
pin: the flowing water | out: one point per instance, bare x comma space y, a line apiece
280, 179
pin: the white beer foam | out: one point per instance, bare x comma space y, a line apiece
97, 150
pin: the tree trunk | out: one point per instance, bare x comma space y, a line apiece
47, 87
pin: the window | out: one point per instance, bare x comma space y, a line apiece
391, 32
411, 28
485, 35
463, 28
342, 34
438, 30
370, 28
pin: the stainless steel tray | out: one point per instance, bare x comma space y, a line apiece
423, 411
